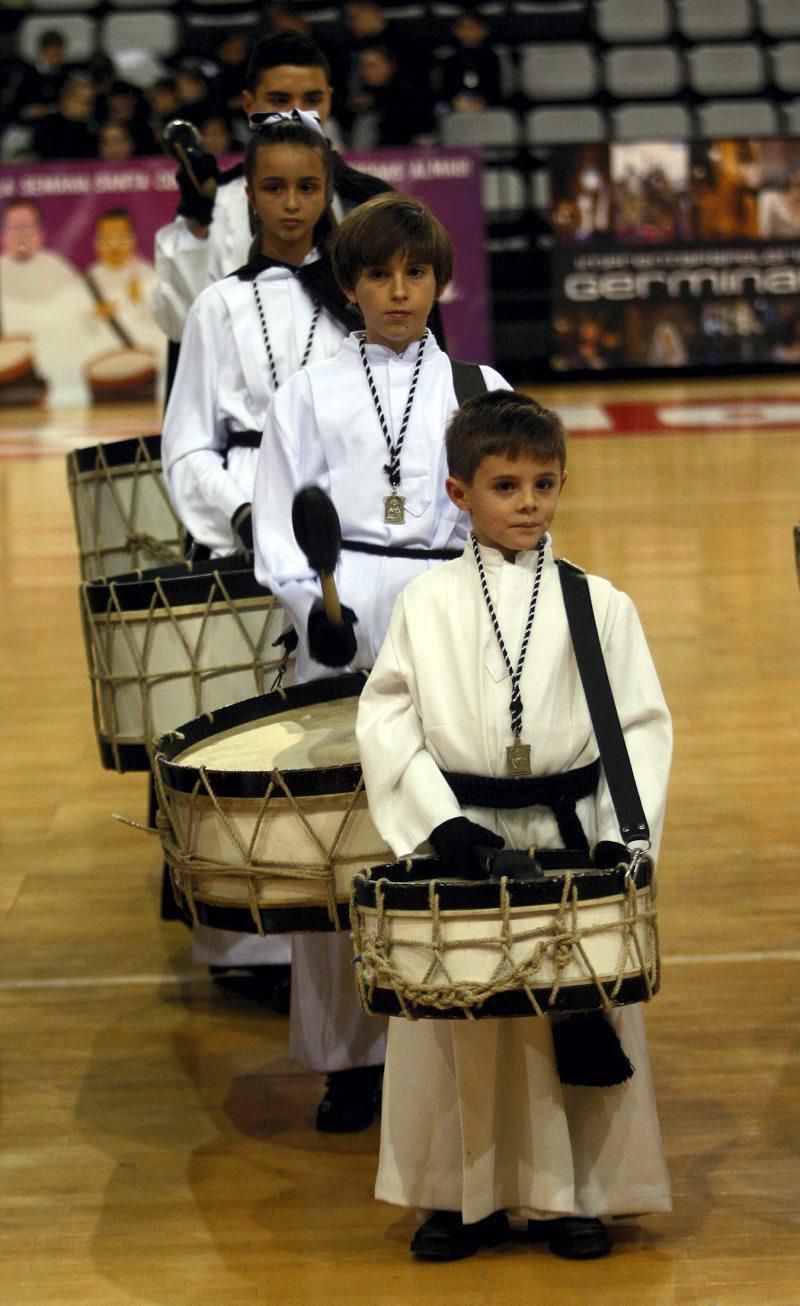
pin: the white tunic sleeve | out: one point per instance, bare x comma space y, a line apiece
290, 457
203, 492
643, 715
181, 262
408, 795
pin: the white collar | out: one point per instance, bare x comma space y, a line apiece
493, 559
383, 354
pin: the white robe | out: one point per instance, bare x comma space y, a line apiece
475, 1118
322, 429
223, 384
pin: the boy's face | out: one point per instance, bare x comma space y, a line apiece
114, 242
511, 501
287, 87
395, 299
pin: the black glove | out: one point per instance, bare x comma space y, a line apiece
242, 524
192, 204
333, 646
455, 843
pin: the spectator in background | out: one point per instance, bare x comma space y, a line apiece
368, 29
36, 88
162, 98
115, 142
127, 106
70, 132
231, 54
393, 111
287, 17
193, 91
216, 134
470, 78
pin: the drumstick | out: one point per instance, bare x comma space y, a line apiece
315, 522
181, 140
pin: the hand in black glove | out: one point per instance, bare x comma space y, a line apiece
192, 203
242, 524
455, 843
334, 646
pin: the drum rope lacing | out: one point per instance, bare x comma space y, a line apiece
142, 546
107, 683
560, 941
188, 869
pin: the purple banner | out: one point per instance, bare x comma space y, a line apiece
76, 269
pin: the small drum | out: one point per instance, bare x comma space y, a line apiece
122, 376
20, 383
167, 644
575, 940
262, 810
123, 516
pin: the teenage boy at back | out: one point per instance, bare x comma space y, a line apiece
367, 426
475, 1122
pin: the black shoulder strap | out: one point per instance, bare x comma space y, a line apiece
467, 380
600, 699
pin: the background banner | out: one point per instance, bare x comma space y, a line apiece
676, 254
76, 269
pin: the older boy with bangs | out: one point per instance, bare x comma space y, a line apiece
367, 426
476, 1123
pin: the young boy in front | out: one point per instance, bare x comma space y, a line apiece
367, 426
476, 1123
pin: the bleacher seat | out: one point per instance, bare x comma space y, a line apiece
779, 18
785, 59
635, 72
559, 71
491, 129
565, 124
633, 20
703, 20
733, 118
156, 33
55, 6
727, 69
665, 121
791, 116
79, 32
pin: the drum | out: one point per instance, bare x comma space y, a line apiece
122, 375
123, 516
171, 643
577, 939
262, 810
20, 383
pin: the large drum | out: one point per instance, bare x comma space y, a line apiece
123, 516
262, 810
578, 939
168, 644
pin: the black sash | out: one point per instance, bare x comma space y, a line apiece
397, 551
558, 792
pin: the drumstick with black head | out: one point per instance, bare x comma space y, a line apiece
183, 144
316, 527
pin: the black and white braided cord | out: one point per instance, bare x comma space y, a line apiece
265, 333
516, 697
392, 468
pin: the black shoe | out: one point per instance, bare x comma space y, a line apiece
573, 1237
445, 1237
350, 1101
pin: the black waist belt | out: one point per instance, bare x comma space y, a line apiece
558, 792
391, 551
243, 440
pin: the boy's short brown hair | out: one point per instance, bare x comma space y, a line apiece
502, 422
385, 225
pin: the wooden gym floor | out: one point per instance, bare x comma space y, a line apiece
157, 1145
